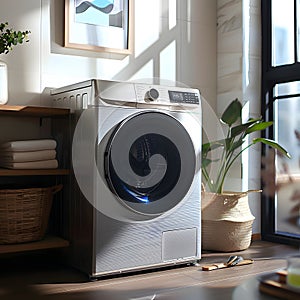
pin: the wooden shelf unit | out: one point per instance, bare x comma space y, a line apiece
34, 172
32, 111
48, 241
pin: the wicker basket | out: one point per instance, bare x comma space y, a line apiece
226, 236
226, 221
24, 213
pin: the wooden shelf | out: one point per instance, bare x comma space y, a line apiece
48, 242
32, 111
35, 172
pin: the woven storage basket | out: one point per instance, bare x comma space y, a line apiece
226, 222
226, 236
24, 213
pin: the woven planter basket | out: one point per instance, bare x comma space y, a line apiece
226, 221
24, 213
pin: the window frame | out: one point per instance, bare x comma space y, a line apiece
272, 75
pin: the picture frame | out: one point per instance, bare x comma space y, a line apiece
103, 25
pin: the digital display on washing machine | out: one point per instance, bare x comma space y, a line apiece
183, 97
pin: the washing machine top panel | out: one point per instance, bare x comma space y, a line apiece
105, 93
132, 93
150, 162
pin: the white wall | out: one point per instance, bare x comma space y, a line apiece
239, 76
174, 40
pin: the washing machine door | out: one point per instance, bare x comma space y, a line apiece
150, 162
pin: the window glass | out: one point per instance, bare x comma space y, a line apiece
287, 197
287, 88
281, 104
282, 32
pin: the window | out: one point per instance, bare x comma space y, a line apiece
281, 104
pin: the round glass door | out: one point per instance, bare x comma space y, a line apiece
150, 162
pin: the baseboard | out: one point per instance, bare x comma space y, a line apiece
256, 237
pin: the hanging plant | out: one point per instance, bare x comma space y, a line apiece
10, 38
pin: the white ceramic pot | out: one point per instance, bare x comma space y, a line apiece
3, 83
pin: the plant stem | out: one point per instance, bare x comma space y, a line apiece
206, 176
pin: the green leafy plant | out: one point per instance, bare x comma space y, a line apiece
10, 38
231, 147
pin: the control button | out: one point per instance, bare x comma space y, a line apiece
152, 95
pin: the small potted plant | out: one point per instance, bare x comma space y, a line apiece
8, 39
226, 217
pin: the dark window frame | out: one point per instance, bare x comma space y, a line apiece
270, 76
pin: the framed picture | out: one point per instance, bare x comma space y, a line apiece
98, 25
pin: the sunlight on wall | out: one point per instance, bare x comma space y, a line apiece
188, 25
245, 155
146, 71
153, 32
147, 25
172, 14
168, 37
245, 78
167, 67
246, 40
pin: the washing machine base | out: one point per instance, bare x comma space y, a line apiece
145, 269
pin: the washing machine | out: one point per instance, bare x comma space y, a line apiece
134, 199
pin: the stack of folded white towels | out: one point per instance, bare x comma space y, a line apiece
29, 154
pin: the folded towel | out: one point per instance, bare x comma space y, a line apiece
24, 156
29, 145
43, 164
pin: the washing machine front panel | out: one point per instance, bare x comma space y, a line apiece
132, 234
150, 162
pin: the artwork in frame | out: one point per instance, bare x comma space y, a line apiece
98, 25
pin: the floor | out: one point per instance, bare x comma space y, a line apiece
38, 275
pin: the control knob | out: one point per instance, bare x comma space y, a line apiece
152, 95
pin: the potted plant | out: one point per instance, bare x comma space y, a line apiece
8, 39
226, 216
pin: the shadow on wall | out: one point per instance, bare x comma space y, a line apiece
167, 44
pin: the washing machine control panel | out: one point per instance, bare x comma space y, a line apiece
183, 97
162, 95
152, 95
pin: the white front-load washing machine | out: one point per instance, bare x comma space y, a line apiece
134, 198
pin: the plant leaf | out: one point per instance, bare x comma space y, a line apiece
273, 144
205, 147
212, 146
205, 162
235, 131
259, 127
232, 113
9, 38
237, 144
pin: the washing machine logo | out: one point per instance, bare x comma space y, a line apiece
152, 170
